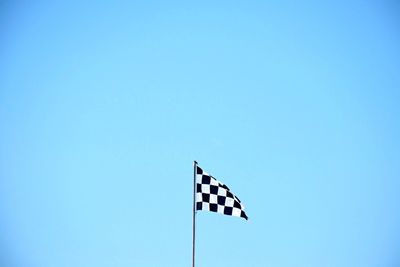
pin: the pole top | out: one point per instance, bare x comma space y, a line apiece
195, 162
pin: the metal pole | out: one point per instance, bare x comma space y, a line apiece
194, 210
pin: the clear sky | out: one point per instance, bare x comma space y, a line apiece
294, 105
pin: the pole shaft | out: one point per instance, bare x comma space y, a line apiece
194, 212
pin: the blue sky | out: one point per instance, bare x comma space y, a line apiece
104, 106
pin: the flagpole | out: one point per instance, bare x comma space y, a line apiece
194, 211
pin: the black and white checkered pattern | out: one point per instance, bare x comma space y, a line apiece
213, 195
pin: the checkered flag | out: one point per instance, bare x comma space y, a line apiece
213, 195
